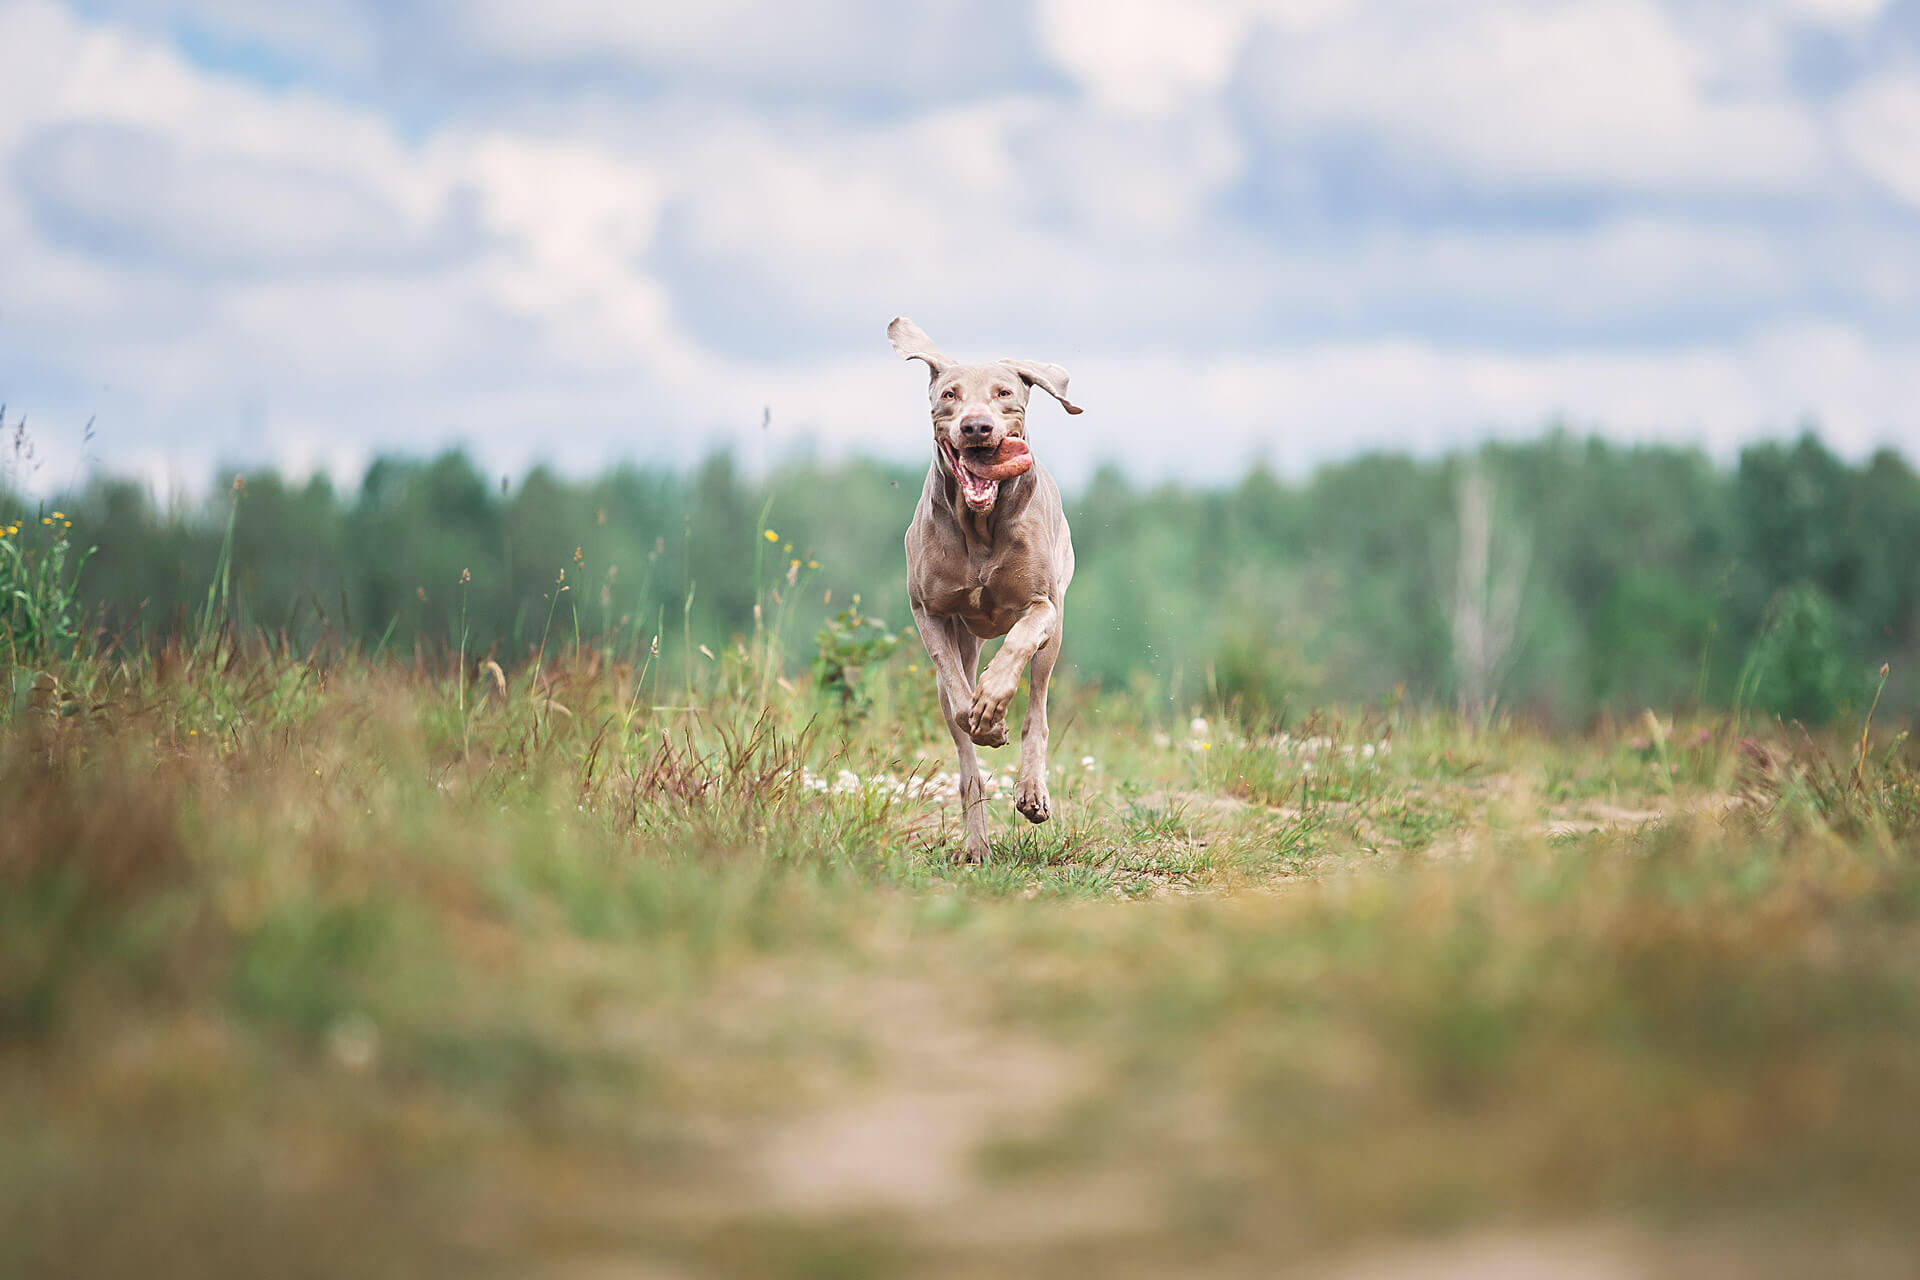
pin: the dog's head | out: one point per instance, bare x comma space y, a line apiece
976, 407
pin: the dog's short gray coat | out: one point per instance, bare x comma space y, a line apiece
984, 560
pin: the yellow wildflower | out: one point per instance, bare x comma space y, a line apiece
771, 536
813, 564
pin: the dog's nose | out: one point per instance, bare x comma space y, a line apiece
976, 427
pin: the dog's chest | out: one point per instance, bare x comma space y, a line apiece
987, 616
984, 595
999, 588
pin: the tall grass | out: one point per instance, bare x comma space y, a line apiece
340, 960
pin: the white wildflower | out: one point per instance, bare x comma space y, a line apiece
354, 1042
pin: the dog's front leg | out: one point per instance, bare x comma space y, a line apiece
954, 653
1030, 794
985, 717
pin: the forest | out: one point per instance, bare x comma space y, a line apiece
1563, 578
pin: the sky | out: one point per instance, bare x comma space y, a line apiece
1287, 230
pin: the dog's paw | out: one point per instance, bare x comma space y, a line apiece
1031, 799
987, 716
992, 735
973, 853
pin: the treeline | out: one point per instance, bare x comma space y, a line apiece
1564, 577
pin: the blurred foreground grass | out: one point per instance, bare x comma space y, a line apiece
319, 968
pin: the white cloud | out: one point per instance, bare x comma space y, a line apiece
128, 192
1014, 213
331, 33
943, 49
1604, 93
1329, 400
1143, 55
1169, 415
1149, 57
222, 269
1128, 180
1840, 12
576, 223
202, 244
1879, 123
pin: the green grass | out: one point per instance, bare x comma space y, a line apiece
319, 965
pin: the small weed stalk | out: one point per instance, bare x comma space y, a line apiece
216, 614
1860, 764
540, 658
770, 636
1657, 740
460, 671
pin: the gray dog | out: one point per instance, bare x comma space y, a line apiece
988, 554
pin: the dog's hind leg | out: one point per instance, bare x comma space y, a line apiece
955, 654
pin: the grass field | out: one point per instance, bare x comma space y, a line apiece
335, 966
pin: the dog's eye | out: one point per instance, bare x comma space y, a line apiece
1004, 392
948, 394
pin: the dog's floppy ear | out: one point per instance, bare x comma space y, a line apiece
1050, 378
912, 342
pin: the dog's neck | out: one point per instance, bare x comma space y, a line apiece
980, 528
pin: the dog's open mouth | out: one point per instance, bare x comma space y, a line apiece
981, 470
978, 490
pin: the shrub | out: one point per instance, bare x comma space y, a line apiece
1798, 669
850, 645
40, 612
